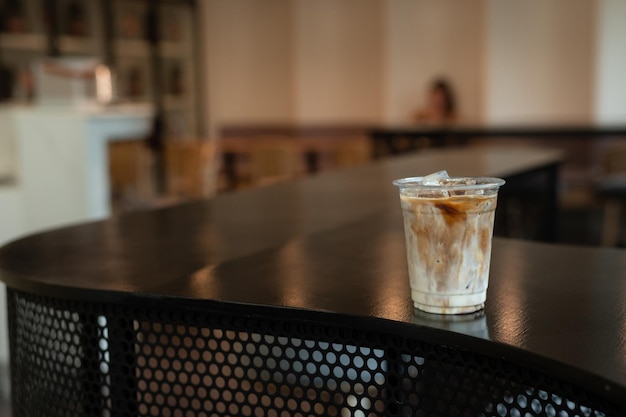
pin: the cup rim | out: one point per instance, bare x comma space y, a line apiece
481, 183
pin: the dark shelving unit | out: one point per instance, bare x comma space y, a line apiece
149, 44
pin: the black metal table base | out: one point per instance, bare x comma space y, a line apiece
176, 357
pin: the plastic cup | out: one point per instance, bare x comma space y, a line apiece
448, 230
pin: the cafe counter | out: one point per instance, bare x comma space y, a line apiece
293, 300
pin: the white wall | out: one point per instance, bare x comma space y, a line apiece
11, 216
540, 60
338, 61
430, 38
10, 227
610, 80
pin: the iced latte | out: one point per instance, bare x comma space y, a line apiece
448, 225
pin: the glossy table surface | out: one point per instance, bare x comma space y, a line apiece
334, 243
147, 251
567, 129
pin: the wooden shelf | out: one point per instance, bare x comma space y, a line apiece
34, 42
171, 49
176, 102
116, 33
135, 48
76, 45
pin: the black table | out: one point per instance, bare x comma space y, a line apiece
294, 300
399, 139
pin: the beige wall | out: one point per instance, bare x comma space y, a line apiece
431, 38
250, 62
284, 61
338, 61
363, 61
327, 61
540, 60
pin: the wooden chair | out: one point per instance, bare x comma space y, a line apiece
191, 167
274, 159
130, 174
352, 152
190, 173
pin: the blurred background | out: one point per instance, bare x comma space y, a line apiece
110, 106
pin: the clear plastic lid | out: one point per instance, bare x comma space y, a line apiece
440, 184
451, 184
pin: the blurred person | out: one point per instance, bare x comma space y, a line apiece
440, 104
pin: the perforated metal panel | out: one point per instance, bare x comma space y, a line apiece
176, 359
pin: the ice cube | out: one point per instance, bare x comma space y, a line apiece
435, 178
451, 182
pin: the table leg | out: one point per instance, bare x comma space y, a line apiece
312, 162
611, 223
230, 169
382, 145
552, 203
